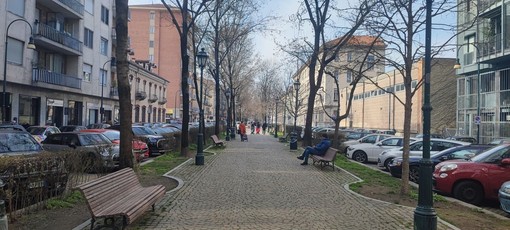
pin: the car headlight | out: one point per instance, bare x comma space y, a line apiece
153, 139
505, 189
448, 167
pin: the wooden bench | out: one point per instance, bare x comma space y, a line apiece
284, 139
327, 159
119, 194
217, 141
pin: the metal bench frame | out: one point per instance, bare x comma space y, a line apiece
119, 194
217, 141
327, 159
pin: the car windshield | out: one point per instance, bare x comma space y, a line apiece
18, 142
93, 139
36, 130
493, 155
112, 135
140, 131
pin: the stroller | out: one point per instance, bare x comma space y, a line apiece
244, 137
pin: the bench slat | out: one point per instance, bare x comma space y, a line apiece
328, 159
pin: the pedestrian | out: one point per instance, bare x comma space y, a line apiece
319, 149
258, 127
242, 131
264, 127
14, 120
252, 127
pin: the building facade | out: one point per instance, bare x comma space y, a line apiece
483, 83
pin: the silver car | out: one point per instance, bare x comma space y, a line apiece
367, 152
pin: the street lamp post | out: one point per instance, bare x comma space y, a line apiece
112, 64
202, 61
227, 137
294, 135
31, 45
276, 119
458, 66
425, 217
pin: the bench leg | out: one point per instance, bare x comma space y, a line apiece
92, 223
124, 222
153, 207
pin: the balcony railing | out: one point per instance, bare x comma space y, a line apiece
162, 101
140, 95
153, 98
43, 75
74, 5
491, 45
59, 37
114, 92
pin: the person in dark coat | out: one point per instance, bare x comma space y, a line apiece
319, 149
264, 127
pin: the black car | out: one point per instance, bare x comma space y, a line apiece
72, 128
459, 152
157, 143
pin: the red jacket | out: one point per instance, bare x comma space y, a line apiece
242, 127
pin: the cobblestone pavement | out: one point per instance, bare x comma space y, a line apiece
261, 185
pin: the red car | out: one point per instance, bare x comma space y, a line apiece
475, 179
140, 148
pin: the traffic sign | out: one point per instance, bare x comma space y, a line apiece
477, 120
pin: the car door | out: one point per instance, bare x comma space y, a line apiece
496, 174
374, 150
53, 143
416, 149
369, 139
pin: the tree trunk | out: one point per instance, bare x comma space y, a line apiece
404, 189
184, 80
125, 106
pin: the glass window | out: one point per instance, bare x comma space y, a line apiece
349, 76
104, 14
391, 142
152, 15
15, 51
16, 7
89, 6
87, 72
103, 73
369, 139
151, 44
349, 56
104, 46
151, 29
370, 62
88, 39
335, 94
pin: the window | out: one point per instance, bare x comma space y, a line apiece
89, 6
413, 84
104, 46
391, 142
88, 39
151, 29
15, 51
349, 76
370, 62
151, 57
87, 72
103, 73
349, 56
105, 14
16, 7
335, 94
151, 44
152, 15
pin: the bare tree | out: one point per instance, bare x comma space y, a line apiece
125, 106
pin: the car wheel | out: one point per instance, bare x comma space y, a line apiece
469, 191
414, 175
360, 156
387, 164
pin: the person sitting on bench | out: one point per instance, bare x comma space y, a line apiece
319, 149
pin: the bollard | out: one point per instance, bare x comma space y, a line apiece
293, 141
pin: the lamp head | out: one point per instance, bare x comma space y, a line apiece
31, 44
202, 58
297, 84
457, 64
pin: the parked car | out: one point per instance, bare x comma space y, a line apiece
17, 142
140, 148
95, 146
367, 152
475, 179
356, 135
98, 126
157, 143
458, 152
72, 128
499, 141
370, 139
432, 135
504, 196
416, 149
41, 132
12, 126
463, 138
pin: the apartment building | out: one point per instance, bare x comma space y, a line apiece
483, 83
153, 37
69, 78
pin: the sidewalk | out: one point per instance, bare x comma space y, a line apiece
261, 185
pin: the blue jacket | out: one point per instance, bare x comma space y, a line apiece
323, 146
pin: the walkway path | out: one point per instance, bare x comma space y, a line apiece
261, 185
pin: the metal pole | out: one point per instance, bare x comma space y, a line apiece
296, 110
424, 215
276, 120
478, 101
227, 137
199, 159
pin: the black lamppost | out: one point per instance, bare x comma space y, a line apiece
202, 61
31, 45
458, 66
293, 136
113, 63
227, 137
425, 217
276, 119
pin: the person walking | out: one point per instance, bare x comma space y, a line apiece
319, 149
258, 127
242, 131
264, 127
252, 127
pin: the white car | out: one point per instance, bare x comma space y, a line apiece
416, 149
370, 139
367, 152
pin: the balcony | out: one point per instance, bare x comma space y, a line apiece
46, 76
153, 98
140, 95
70, 8
114, 92
49, 37
491, 45
489, 5
162, 101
